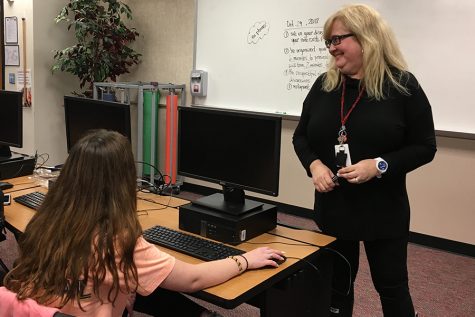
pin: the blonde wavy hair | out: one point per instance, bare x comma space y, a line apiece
381, 51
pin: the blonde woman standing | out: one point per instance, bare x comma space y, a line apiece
364, 125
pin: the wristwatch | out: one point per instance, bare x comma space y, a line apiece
381, 166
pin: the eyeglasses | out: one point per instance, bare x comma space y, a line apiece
336, 40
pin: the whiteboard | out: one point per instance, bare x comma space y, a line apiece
264, 55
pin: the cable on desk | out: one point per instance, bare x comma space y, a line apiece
42, 157
162, 184
155, 202
151, 209
294, 227
161, 180
306, 262
166, 185
151, 188
277, 242
142, 213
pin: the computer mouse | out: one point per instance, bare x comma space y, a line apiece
278, 261
5, 185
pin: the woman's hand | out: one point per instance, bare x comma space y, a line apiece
263, 256
360, 172
322, 177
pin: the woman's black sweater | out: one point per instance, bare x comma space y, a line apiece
399, 129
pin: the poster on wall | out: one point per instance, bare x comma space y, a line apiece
12, 55
11, 30
23, 79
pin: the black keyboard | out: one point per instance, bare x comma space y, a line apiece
188, 244
32, 200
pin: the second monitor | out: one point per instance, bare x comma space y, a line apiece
84, 114
238, 150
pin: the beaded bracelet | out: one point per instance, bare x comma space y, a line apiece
237, 262
247, 263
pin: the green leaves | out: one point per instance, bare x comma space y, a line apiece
102, 50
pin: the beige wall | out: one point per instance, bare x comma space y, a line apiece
50, 88
442, 193
165, 41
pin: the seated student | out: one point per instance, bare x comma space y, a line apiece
83, 251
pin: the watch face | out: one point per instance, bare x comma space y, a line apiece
382, 166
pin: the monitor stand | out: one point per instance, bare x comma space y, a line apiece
231, 201
6, 155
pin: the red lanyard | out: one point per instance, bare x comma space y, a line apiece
345, 118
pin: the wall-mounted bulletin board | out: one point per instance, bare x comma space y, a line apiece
264, 55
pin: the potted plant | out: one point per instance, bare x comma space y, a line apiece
102, 52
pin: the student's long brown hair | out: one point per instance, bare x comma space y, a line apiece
87, 219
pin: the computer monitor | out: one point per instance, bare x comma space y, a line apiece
11, 123
84, 114
238, 150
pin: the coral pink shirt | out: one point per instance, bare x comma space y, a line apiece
153, 266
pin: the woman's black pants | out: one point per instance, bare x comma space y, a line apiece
387, 260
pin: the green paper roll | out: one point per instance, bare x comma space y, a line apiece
147, 115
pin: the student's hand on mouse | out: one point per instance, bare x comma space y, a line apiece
263, 256
322, 177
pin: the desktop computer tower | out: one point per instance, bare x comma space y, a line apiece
227, 228
305, 293
17, 167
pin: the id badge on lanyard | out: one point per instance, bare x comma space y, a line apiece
342, 154
342, 149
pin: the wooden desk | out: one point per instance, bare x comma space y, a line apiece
273, 290
169, 201
20, 183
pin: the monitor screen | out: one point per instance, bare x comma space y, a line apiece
84, 114
11, 121
239, 150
